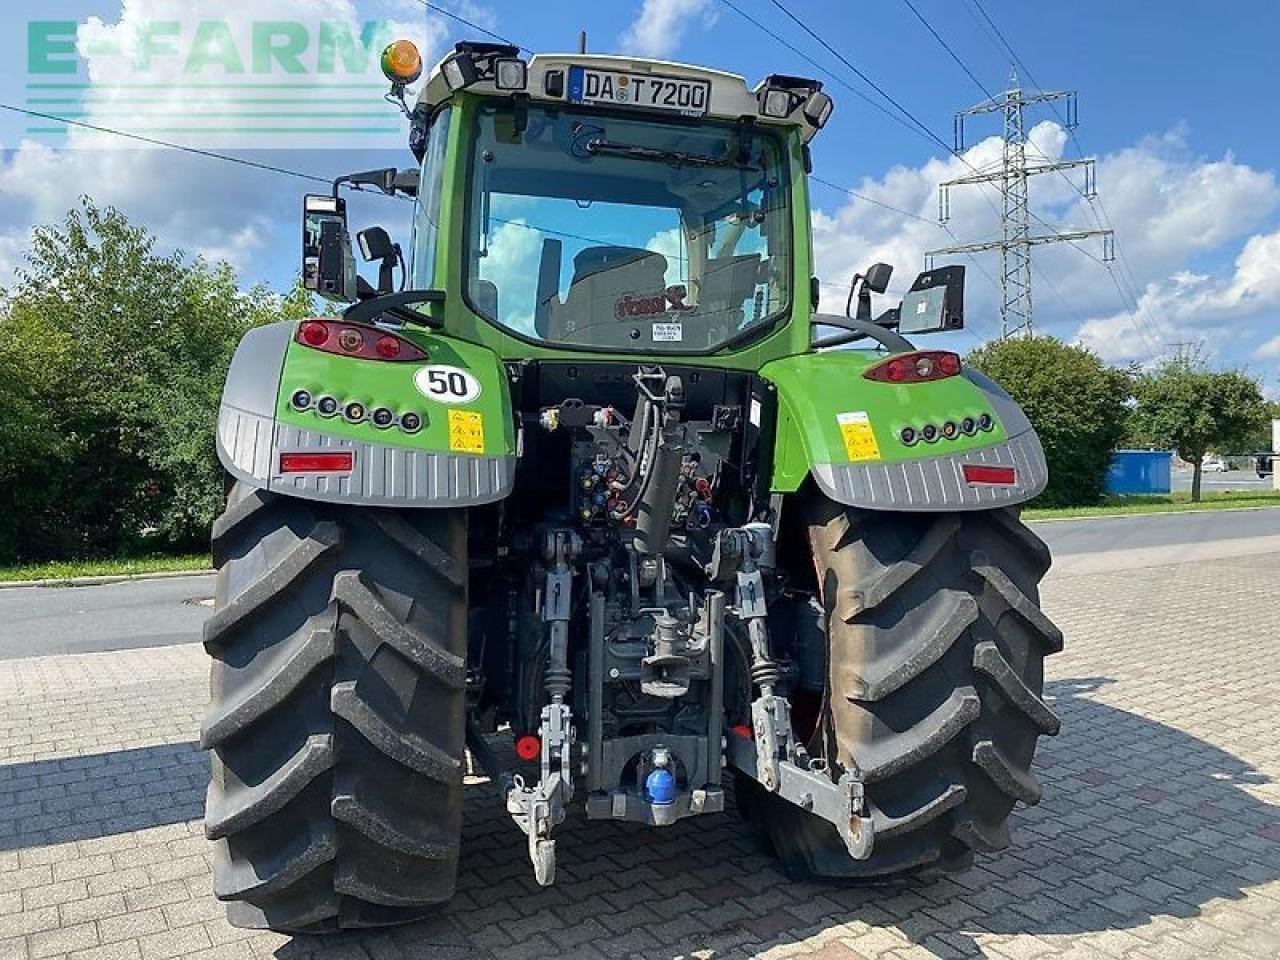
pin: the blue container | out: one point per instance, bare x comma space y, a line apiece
1140, 471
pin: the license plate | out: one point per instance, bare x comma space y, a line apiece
677, 94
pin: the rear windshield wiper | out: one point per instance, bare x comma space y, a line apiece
678, 158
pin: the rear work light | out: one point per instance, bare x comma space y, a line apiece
918, 367
357, 340
977, 473
337, 461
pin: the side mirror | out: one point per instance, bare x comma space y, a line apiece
328, 268
934, 303
875, 280
877, 277
376, 244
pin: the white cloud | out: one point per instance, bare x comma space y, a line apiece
1173, 213
1269, 350
200, 205
661, 24
1189, 306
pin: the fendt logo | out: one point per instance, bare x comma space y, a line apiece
212, 82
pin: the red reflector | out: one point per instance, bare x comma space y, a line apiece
338, 462
976, 473
744, 731
528, 747
388, 347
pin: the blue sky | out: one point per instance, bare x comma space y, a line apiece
1174, 102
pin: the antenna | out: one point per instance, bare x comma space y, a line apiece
1016, 241
582, 41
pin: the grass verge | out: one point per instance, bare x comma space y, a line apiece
132, 566
1167, 503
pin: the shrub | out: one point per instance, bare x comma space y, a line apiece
1077, 404
112, 359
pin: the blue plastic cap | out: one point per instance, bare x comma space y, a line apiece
661, 787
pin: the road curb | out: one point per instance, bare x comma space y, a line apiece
99, 581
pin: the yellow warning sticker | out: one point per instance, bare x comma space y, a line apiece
859, 438
466, 431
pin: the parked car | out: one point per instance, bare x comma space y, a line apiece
1213, 465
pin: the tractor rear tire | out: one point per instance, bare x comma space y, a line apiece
337, 712
936, 646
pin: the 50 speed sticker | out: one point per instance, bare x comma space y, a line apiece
859, 438
446, 384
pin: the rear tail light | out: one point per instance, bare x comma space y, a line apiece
357, 340
337, 461
919, 367
976, 473
313, 333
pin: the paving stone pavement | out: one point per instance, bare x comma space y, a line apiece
1159, 834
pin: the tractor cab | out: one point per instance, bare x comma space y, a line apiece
605, 203
616, 204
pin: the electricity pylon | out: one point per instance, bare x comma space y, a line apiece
1016, 239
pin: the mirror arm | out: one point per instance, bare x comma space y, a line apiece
384, 180
858, 330
368, 311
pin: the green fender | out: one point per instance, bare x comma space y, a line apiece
847, 433
461, 450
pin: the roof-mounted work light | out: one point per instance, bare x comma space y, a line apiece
779, 96
510, 73
817, 109
496, 62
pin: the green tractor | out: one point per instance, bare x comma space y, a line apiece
591, 472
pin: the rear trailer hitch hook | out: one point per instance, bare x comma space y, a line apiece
538, 809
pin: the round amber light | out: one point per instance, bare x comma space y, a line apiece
401, 62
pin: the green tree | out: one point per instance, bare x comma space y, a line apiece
117, 355
1184, 405
1259, 438
1077, 404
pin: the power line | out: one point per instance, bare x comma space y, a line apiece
865, 79
947, 47
879, 203
474, 26
814, 63
1023, 206
167, 144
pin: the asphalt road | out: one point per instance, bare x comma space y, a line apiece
40, 621
43, 621
1134, 532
